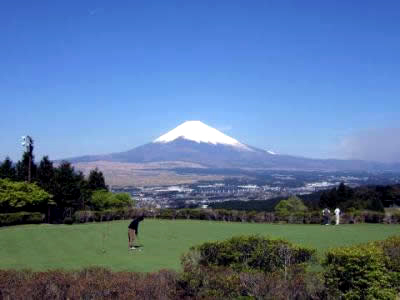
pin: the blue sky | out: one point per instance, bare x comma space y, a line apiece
311, 78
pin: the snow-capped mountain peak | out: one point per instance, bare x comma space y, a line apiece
199, 132
271, 152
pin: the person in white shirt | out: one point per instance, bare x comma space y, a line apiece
337, 215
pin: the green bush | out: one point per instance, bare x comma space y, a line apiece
21, 218
391, 250
252, 252
103, 200
218, 282
167, 214
19, 196
358, 272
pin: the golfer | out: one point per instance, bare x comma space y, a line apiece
337, 215
133, 231
326, 213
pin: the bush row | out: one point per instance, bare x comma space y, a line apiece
313, 217
93, 283
201, 283
21, 218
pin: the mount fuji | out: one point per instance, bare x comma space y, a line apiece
197, 143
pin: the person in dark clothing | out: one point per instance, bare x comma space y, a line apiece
133, 231
326, 214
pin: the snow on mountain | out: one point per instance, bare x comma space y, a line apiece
271, 152
199, 132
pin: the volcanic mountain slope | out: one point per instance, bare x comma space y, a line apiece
196, 142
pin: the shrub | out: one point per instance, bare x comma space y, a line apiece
167, 214
313, 217
391, 250
292, 205
21, 218
93, 283
251, 252
358, 272
216, 282
103, 200
68, 221
373, 216
83, 216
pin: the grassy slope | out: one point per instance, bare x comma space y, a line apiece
42, 247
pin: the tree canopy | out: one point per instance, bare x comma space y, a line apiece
102, 199
292, 205
18, 196
96, 180
7, 170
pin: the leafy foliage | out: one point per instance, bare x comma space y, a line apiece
362, 198
70, 190
253, 252
16, 196
102, 200
21, 218
292, 205
358, 272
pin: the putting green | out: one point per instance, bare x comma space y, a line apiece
42, 247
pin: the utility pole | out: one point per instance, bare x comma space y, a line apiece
27, 142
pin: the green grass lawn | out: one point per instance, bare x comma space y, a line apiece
42, 247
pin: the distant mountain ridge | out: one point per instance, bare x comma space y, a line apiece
196, 142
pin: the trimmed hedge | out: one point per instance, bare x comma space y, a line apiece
21, 218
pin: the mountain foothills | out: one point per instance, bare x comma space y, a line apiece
197, 143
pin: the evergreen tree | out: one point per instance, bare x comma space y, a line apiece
22, 168
376, 204
7, 170
86, 193
344, 192
45, 175
67, 188
96, 180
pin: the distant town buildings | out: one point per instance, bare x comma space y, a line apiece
277, 185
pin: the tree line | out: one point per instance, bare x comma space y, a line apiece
372, 197
57, 190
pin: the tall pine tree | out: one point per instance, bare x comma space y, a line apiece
22, 168
7, 170
67, 188
96, 180
46, 175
